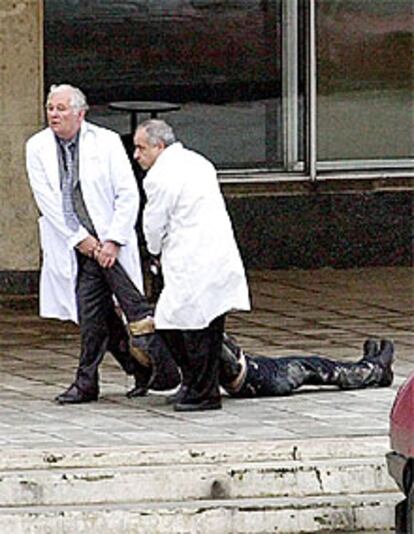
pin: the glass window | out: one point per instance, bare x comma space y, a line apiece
220, 59
365, 80
243, 74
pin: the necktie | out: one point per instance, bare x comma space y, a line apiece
69, 214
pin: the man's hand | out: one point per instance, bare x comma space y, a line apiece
107, 254
88, 246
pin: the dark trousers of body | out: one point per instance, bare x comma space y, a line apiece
281, 376
197, 354
101, 328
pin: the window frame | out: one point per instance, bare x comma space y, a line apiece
310, 169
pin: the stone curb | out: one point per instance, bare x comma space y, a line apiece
240, 452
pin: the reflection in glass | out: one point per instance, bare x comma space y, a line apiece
220, 59
365, 79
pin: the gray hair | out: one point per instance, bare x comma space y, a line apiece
158, 131
77, 98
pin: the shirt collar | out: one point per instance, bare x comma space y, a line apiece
67, 142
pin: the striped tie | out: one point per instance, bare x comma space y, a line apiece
69, 214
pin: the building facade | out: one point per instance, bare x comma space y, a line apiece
305, 107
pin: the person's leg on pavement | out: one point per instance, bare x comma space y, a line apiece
133, 303
93, 301
119, 347
273, 376
174, 341
154, 366
201, 368
372, 370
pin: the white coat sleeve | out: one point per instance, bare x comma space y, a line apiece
47, 199
161, 197
126, 195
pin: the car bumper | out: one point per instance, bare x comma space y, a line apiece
396, 464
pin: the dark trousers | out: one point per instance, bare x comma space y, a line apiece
163, 373
281, 376
197, 354
133, 303
101, 328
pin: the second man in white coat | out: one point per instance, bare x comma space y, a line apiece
187, 226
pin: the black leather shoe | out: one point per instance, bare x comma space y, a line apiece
142, 380
207, 404
385, 358
178, 396
74, 395
137, 391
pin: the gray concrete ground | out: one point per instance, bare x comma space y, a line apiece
326, 312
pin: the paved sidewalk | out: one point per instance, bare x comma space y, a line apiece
326, 312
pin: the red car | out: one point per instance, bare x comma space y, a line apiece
401, 459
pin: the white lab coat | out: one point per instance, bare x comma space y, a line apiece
185, 219
111, 196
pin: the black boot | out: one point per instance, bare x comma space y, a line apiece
370, 349
381, 356
385, 358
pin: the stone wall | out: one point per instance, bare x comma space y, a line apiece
21, 97
310, 231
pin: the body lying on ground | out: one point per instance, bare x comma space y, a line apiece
243, 375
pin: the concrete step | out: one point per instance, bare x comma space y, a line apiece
231, 452
225, 480
235, 487
345, 513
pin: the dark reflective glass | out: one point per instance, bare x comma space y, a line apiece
365, 79
220, 59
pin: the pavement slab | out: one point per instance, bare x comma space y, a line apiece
326, 312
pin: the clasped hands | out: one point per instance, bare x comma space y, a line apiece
104, 253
